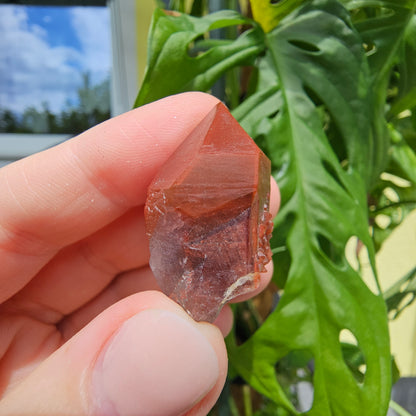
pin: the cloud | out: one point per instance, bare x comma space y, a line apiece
32, 71
92, 27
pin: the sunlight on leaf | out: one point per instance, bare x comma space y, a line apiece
270, 12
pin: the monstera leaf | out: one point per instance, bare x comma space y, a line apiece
392, 27
395, 195
318, 63
174, 66
316, 103
382, 25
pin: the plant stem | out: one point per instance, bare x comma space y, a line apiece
248, 409
233, 407
393, 205
280, 249
398, 409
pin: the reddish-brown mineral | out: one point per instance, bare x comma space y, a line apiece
207, 217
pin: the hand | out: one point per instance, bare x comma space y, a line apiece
84, 330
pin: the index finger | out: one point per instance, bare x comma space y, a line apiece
66, 193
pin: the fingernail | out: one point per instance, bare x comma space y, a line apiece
157, 364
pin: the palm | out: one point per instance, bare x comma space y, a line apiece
76, 284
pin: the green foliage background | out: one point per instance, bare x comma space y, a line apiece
331, 99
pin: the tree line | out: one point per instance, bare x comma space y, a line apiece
93, 108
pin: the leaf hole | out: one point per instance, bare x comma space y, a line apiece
329, 125
405, 299
371, 12
392, 315
387, 11
215, 38
351, 252
366, 269
395, 180
346, 336
197, 47
273, 115
305, 46
335, 135
274, 2
352, 354
330, 168
379, 11
313, 96
391, 194
305, 393
282, 257
370, 48
300, 365
261, 141
357, 256
362, 368
382, 221
331, 251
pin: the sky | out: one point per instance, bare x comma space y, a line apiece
45, 50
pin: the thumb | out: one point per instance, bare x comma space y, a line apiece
144, 356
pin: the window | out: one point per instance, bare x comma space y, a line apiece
55, 63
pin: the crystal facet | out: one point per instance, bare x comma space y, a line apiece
207, 217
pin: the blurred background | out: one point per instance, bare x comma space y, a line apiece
68, 65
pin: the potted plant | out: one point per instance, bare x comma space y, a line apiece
327, 88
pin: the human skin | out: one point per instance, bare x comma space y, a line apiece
84, 328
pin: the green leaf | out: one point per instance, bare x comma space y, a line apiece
401, 294
406, 98
394, 197
269, 13
354, 359
171, 68
395, 371
403, 158
315, 75
381, 25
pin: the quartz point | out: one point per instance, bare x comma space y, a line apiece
207, 217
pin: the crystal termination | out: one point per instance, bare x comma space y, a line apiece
207, 217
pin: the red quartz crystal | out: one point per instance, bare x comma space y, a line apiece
207, 217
